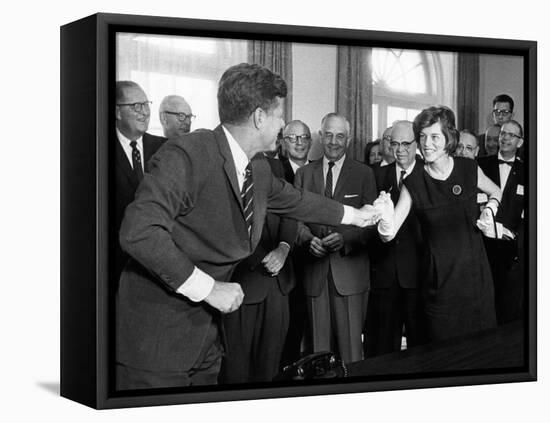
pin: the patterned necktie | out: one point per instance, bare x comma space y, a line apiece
136, 161
510, 163
247, 196
400, 183
328, 182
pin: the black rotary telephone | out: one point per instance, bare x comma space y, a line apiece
320, 365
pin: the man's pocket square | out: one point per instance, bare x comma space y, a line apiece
351, 195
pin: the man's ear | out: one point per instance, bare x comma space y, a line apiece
476, 151
259, 117
520, 143
162, 118
117, 113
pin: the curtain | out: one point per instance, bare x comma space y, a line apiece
354, 95
468, 91
277, 57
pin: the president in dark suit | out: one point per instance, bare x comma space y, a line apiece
395, 299
133, 148
507, 170
256, 332
336, 270
197, 214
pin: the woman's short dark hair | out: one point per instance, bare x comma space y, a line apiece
368, 149
245, 87
446, 119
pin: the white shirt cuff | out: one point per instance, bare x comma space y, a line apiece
198, 286
349, 212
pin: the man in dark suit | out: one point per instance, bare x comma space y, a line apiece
395, 298
199, 212
133, 149
296, 141
256, 332
507, 170
336, 270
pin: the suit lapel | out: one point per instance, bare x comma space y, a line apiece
318, 178
124, 165
512, 180
341, 182
494, 171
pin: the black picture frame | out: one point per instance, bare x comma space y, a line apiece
87, 79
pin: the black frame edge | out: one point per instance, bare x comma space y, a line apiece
78, 212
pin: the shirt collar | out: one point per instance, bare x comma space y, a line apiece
502, 158
407, 171
126, 141
337, 163
239, 156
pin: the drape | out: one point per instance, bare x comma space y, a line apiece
277, 57
468, 91
354, 95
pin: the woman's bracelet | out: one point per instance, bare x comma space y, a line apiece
495, 199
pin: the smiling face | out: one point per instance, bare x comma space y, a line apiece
510, 140
132, 124
334, 137
403, 144
432, 143
173, 125
297, 141
467, 146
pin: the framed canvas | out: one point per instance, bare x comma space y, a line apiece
374, 79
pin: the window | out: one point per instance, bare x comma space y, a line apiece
407, 81
186, 66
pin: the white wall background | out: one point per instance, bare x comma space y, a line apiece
499, 75
29, 300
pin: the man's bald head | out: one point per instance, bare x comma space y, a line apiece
175, 116
297, 141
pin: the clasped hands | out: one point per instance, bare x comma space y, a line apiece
329, 244
381, 210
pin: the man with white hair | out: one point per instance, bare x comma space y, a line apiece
336, 269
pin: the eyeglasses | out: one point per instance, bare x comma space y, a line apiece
138, 107
328, 136
293, 139
182, 117
510, 134
500, 112
405, 144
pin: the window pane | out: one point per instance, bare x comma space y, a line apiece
374, 121
399, 70
187, 66
396, 113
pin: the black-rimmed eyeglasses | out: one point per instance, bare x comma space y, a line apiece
509, 134
293, 139
405, 144
182, 117
500, 112
138, 107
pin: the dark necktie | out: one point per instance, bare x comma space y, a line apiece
247, 196
136, 161
400, 183
510, 163
328, 182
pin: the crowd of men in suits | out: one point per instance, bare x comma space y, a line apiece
306, 274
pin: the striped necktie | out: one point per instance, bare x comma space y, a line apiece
247, 196
328, 182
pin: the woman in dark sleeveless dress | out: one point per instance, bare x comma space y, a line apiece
458, 285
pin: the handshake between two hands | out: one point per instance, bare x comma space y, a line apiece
381, 210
